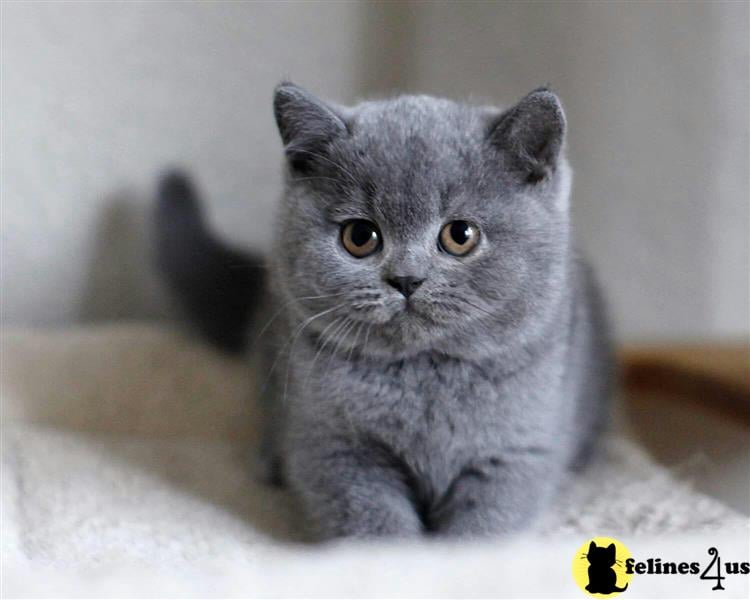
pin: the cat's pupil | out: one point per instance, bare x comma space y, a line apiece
460, 232
362, 232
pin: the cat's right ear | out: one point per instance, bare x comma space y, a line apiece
307, 125
592, 546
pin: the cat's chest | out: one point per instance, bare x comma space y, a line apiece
430, 402
437, 414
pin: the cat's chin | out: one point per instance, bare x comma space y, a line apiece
408, 321
406, 333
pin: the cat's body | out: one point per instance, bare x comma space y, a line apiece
423, 387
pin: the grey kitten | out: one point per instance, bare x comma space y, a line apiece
435, 351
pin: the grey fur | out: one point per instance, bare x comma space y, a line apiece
461, 415
460, 411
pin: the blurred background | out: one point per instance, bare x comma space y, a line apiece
98, 97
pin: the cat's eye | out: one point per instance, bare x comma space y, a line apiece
360, 238
459, 237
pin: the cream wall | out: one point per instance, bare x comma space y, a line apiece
657, 101
97, 97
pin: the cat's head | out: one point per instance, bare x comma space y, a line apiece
600, 556
420, 223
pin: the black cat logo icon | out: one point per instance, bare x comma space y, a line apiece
599, 567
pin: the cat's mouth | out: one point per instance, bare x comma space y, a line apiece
411, 312
409, 307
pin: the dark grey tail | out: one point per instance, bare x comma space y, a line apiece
218, 287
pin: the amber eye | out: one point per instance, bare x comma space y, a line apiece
360, 238
459, 237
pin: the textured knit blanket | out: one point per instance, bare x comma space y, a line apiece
127, 469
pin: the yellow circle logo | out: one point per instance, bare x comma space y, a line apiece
599, 567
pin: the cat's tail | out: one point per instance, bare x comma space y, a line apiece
622, 589
218, 287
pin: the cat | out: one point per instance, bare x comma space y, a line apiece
602, 577
434, 352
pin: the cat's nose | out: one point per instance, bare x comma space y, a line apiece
406, 285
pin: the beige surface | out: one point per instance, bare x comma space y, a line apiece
727, 363
127, 465
689, 404
141, 514
128, 379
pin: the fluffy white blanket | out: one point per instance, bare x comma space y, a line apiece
127, 470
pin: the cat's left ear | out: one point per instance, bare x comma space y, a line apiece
611, 549
530, 136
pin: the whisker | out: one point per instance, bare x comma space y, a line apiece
296, 179
294, 150
447, 306
293, 300
295, 334
350, 422
294, 341
367, 337
356, 337
344, 332
366, 307
479, 308
341, 321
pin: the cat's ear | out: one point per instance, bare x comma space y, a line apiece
306, 124
592, 546
611, 549
530, 135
